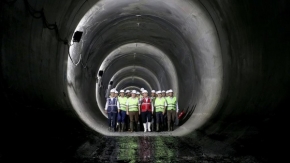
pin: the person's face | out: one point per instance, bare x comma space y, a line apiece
159, 95
145, 94
170, 94
153, 94
133, 95
112, 94
163, 94
122, 94
116, 94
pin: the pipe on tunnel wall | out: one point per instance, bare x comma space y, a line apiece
254, 65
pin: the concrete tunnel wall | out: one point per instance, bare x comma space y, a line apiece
250, 39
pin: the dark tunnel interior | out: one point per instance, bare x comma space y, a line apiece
227, 63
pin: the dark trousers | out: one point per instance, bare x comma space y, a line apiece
122, 116
134, 116
159, 118
171, 115
146, 116
112, 117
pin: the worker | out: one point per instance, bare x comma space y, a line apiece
132, 110
163, 93
138, 95
111, 108
147, 108
153, 122
160, 106
167, 93
128, 94
116, 94
122, 110
172, 109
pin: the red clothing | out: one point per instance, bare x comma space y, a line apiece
146, 105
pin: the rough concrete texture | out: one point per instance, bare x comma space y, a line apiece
228, 61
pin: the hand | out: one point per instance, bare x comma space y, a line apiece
118, 110
139, 113
163, 113
127, 113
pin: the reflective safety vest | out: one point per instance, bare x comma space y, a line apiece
159, 104
171, 103
146, 105
122, 102
112, 105
133, 104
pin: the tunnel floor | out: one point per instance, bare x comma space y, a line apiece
41, 135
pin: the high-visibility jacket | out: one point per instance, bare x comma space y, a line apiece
133, 104
112, 105
171, 103
159, 104
122, 102
146, 105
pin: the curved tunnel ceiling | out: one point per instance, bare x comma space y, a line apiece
231, 60
178, 42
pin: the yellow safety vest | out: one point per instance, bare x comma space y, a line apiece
133, 104
171, 103
122, 102
159, 104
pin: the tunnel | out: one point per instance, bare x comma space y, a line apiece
227, 63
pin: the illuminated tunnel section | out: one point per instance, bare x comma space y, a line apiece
176, 40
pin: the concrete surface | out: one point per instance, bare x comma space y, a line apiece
228, 62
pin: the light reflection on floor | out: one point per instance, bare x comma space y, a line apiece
148, 149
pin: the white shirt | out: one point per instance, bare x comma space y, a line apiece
118, 105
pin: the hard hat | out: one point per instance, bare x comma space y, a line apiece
144, 91
166, 91
138, 93
170, 90
127, 91
112, 91
121, 91
163, 91
158, 92
116, 92
153, 91
133, 92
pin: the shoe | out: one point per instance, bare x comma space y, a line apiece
144, 125
149, 125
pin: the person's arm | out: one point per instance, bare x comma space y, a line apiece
118, 105
165, 106
127, 107
152, 107
139, 106
106, 106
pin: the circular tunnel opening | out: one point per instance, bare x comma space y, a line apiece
172, 45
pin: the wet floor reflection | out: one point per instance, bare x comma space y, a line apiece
148, 149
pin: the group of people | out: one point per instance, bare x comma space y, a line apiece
127, 109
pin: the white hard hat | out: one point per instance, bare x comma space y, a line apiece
166, 91
112, 91
138, 93
153, 91
163, 91
144, 91
127, 91
158, 92
122, 91
170, 90
133, 91
116, 91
